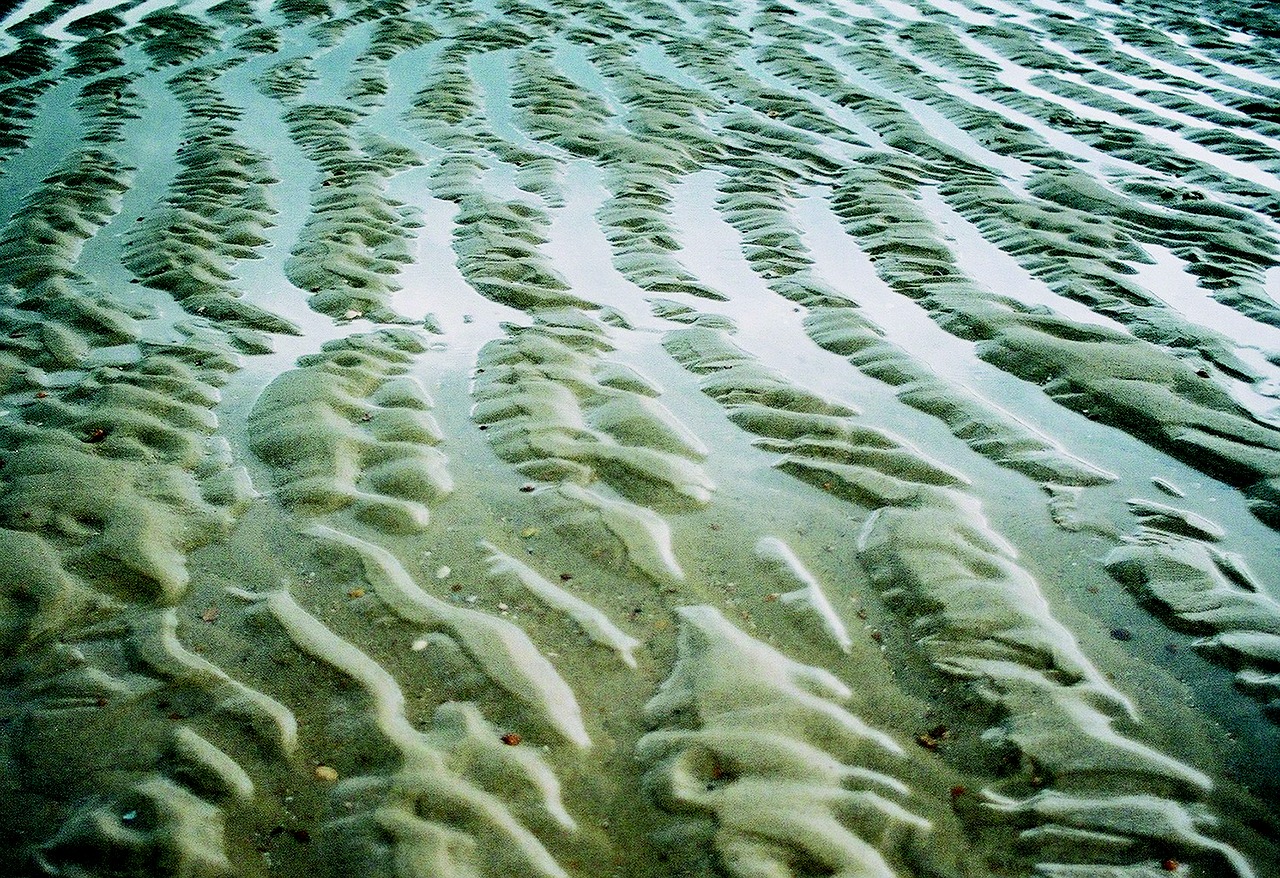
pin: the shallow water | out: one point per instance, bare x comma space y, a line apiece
638, 438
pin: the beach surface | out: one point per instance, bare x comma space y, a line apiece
639, 438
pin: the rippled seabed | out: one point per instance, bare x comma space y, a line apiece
640, 438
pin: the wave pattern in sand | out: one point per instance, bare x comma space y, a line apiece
639, 437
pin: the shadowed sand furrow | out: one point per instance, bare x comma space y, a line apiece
773, 538
553, 406
140, 430
350, 429
1170, 562
777, 253
215, 216
594, 623
39, 251
1111, 377
443, 807
355, 239
403, 822
809, 598
109, 487
497, 246
171, 38
499, 647
750, 750
19, 101
24, 81
978, 616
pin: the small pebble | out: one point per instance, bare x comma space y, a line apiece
443, 573
326, 773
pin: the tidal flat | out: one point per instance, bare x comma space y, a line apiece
639, 438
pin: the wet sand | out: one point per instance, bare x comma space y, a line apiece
639, 438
